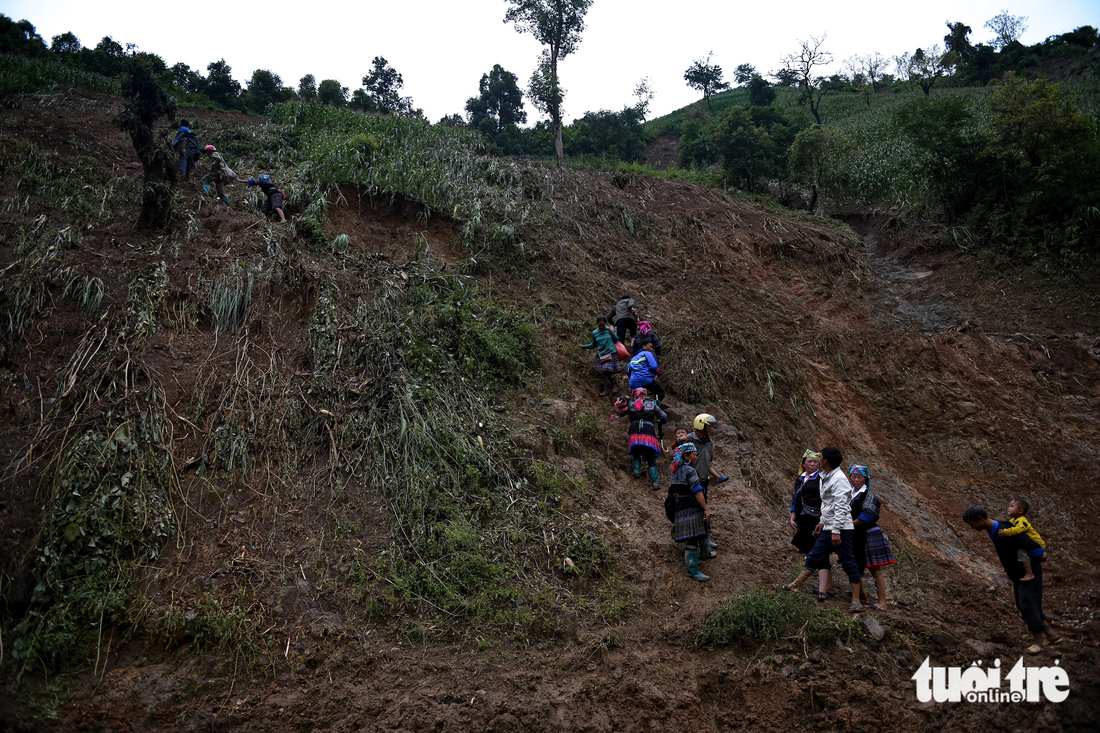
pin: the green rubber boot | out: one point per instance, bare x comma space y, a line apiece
691, 557
637, 468
224, 200
654, 477
706, 552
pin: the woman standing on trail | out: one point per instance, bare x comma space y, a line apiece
645, 418
686, 507
607, 359
869, 542
805, 514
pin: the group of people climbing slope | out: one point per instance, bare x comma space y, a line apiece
186, 144
832, 511
836, 512
636, 343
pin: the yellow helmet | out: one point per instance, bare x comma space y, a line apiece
703, 420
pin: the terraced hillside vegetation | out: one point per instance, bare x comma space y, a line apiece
352, 472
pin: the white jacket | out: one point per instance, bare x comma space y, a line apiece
836, 495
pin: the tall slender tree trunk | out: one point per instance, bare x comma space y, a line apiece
559, 149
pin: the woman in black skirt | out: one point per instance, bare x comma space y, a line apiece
869, 543
806, 514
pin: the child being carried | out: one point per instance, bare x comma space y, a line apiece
1017, 517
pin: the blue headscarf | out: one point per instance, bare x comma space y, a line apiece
863, 470
678, 454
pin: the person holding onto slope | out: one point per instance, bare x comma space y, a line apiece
274, 202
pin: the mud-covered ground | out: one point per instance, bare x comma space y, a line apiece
956, 380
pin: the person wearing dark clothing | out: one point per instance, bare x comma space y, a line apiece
646, 419
625, 318
806, 513
835, 527
607, 358
274, 202
646, 335
701, 438
1028, 594
806, 502
869, 542
686, 507
186, 145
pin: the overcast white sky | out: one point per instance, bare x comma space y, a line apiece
442, 47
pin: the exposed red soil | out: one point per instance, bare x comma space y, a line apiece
955, 383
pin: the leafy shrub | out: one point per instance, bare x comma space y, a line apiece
764, 616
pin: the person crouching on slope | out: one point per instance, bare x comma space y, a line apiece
686, 507
643, 371
274, 202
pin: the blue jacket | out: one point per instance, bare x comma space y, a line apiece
642, 369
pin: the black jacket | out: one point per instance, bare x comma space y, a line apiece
1007, 547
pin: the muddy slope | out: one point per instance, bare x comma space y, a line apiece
956, 383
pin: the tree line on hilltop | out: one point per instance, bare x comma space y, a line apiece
1020, 170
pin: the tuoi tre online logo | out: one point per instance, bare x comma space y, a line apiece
983, 684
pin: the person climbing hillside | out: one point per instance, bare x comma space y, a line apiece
186, 146
219, 175
624, 316
835, 527
869, 543
646, 417
643, 371
701, 438
806, 513
646, 335
607, 358
1027, 594
686, 507
274, 202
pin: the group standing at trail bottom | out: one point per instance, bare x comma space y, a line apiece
832, 511
186, 144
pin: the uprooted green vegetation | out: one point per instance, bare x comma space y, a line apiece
109, 511
414, 377
760, 616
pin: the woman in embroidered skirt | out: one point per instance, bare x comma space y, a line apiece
645, 421
607, 359
869, 543
686, 506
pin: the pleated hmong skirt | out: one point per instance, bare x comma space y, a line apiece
643, 434
689, 524
878, 548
